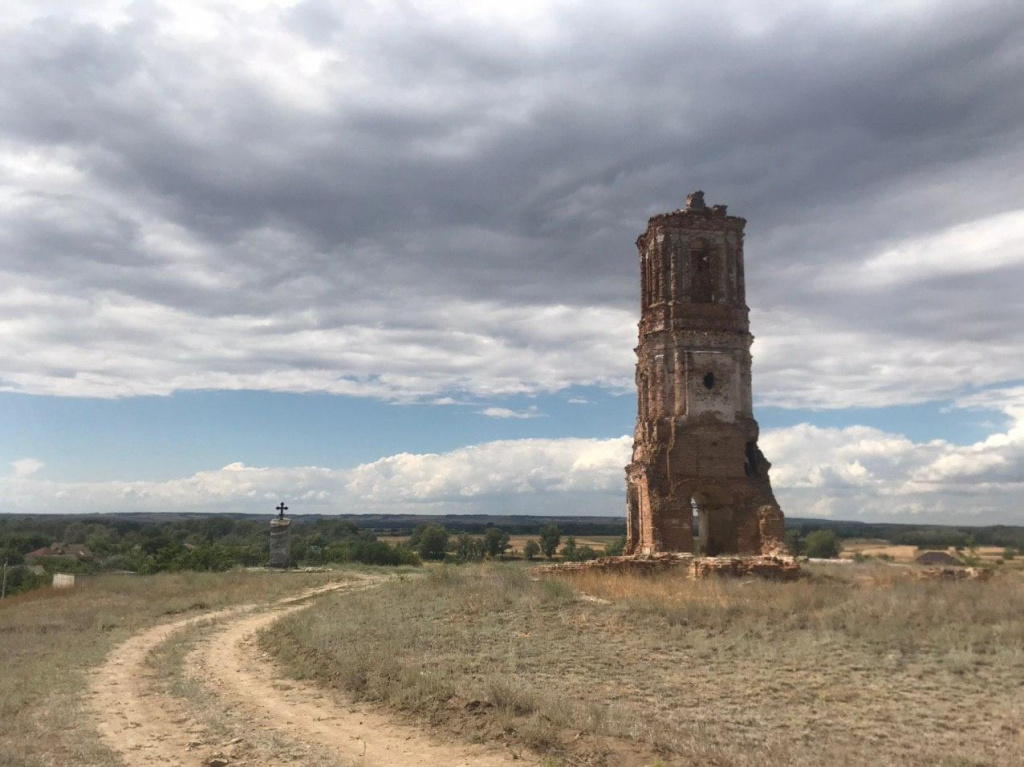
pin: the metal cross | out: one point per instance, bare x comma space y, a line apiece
282, 509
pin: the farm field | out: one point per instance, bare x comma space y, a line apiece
906, 554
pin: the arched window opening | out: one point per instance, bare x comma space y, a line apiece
701, 290
709, 381
750, 467
700, 528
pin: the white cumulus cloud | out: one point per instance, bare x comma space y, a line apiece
26, 467
504, 412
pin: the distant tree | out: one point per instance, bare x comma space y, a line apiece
414, 537
569, 549
531, 549
794, 543
495, 542
550, 537
76, 532
1009, 552
157, 543
468, 548
615, 548
822, 544
213, 528
429, 541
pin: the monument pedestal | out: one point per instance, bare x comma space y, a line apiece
280, 542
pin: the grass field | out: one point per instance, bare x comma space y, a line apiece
50, 639
855, 665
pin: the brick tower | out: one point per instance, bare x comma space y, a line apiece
695, 446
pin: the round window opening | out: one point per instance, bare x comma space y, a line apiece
709, 381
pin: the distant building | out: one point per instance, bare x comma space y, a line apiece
75, 552
937, 558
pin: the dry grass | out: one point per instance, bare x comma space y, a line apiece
852, 667
50, 639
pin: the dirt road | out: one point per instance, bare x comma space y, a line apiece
146, 725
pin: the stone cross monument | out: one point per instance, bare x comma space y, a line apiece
280, 538
695, 445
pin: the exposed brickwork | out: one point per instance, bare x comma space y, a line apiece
774, 568
695, 445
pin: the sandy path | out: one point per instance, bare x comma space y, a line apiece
145, 726
134, 718
141, 725
358, 734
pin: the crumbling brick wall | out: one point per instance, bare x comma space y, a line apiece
695, 445
769, 567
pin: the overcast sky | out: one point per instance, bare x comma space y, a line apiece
427, 211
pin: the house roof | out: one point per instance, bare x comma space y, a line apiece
67, 550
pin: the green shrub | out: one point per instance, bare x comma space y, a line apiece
822, 544
794, 543
20, 579
616, 547
369, 552
569, 549
531, 549
495, 542
574, 553
550, 537
468, 548
429, 541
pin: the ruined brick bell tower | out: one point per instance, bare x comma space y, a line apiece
695, 446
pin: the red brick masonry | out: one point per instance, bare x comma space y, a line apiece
769, 567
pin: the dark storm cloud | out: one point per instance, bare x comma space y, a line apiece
361, 190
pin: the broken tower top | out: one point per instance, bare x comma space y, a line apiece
697, 209
695, 204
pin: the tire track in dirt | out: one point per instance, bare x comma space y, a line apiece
244, 675
133, 718
147, 726
137, 720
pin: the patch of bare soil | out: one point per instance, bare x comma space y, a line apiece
145, 725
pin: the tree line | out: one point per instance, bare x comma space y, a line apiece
212, 543
432, 541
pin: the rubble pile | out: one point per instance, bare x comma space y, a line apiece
954, 574
769, 567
